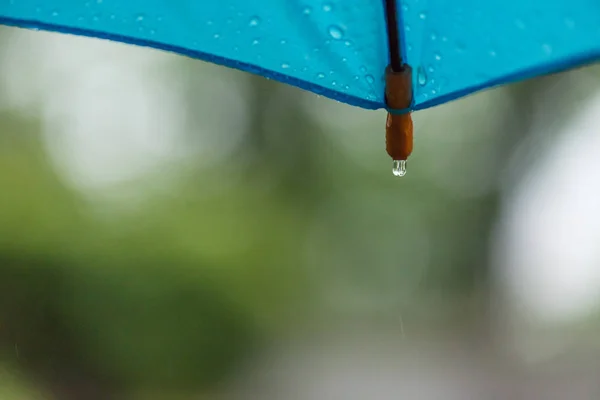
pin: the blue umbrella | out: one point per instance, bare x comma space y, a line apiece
436, 50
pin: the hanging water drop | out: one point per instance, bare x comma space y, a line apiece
399, 168
321, 75
336, 32
369, 78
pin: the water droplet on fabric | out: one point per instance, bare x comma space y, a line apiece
369, 78
363, 69
344, 59
216, 36
307, 10
493, 53
407, 28
404, 7
333, 83
335, 32
255, 42
569, 23
421, 76
283, 41
423, 15
348, 43
437, 56
254, 21
520, 24
430, 69
285, 65
327, 7
356, 77
399, 168
321, 75
433, 36
55, 13
547, 48
347, 87
139, 18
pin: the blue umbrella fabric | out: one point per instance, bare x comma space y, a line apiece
339, 48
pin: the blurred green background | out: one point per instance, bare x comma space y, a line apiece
170, 229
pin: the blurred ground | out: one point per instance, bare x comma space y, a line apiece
171, 229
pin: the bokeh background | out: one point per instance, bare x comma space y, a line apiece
171, 229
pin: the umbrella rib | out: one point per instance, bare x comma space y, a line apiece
391, 14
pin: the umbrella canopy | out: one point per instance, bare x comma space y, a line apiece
339, 48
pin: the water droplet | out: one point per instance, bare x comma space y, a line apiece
399, 168
344, 59
335, 32
152, 32
139, 18
55, 13
216, 36
254, 21
369, 78
437, 56
444, 39
321, 75
327, 7
255, 42
409, 47
356, 77
283, 41
430, 69
404, 7
433, 36
407, 28
209, 22
307, 10
363, 69
547, 48
112, 17
520, 24
371, 96
493, 53
285, 65
348, 43
423, 15
333, 83
421, 76
347, 87
95, 18
433, 91
569, 23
